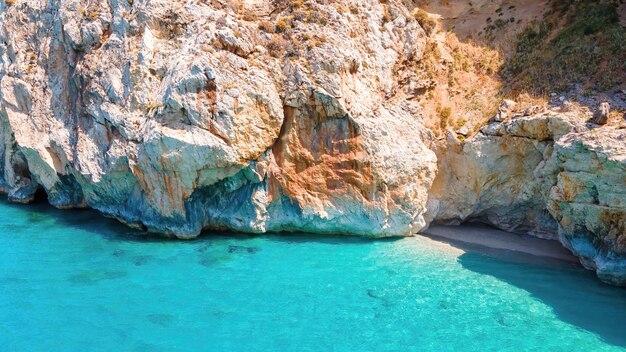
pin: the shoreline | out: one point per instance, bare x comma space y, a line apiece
488, 237
459, 237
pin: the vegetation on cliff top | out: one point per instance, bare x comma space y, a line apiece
528, 52
577, 41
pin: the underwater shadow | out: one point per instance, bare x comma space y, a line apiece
576, 295
93, 221
82, 219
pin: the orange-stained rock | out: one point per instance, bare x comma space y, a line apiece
174, 116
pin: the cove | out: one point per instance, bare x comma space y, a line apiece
74, 281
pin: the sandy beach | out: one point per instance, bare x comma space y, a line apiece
481, 235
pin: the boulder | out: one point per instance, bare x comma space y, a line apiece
504, 110
601, 115
589, 200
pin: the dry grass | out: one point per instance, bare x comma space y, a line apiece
466, 90
575, 42
283, 24
277, 47
423, 18
266, 27
295, 4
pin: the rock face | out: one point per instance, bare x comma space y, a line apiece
547, 175
589, 200
502, 176
258, 116
174, 116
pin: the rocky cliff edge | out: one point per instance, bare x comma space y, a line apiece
177, 116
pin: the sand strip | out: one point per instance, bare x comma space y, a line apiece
485, 236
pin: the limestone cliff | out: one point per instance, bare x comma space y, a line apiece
179, 115
259, 116
549, 175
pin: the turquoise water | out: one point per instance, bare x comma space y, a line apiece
72, 281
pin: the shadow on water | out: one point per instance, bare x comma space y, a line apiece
576, 296
212, 248
92, 221
81, 219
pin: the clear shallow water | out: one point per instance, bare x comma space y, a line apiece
72, 281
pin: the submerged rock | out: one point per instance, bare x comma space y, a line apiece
93, 276
162, 319
243, 249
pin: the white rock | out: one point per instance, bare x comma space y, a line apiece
167, 120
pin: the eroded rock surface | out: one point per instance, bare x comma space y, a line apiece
548, 175
178, 116
589, 200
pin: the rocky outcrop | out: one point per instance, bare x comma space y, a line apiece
176, 116
589, 200
259, 116
504, 110
502, 176
548, 175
